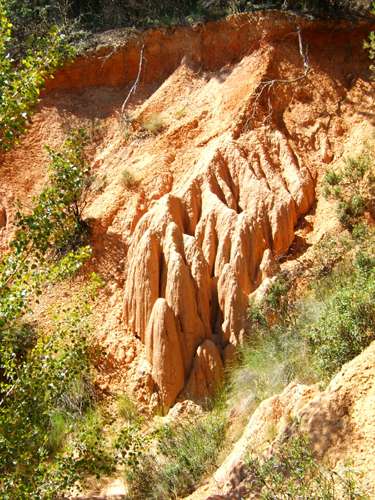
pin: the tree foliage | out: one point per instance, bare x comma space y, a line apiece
53, 385
25, 64
47, 246
353, 187
55, 225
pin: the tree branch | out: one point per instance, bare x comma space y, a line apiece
135, 84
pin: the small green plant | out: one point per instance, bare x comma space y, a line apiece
276, 296
332, 178
360, 231
127, 409
128, 180
154, 124
180, 113
293, 472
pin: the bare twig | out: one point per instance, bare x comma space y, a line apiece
8, 393
135, 84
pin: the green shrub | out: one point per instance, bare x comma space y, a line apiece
293, 472
56, 221
353, 188
276, 296
332, 178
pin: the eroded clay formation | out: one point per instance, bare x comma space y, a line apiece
199, 252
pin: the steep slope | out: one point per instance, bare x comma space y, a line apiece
246, 110
338, 421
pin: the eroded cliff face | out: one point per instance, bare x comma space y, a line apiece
249, 109
198, 253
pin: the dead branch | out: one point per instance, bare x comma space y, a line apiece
268, 84
135, 84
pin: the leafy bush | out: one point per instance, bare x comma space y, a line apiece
292, 472
56, 220
23, 72
346, 323
35, 416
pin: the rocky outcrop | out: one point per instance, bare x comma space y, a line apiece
206, 374
199, 252
163, 347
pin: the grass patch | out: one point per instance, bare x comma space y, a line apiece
270, 359
59, 428
180, 454
345, 323
309, 339
127, 409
